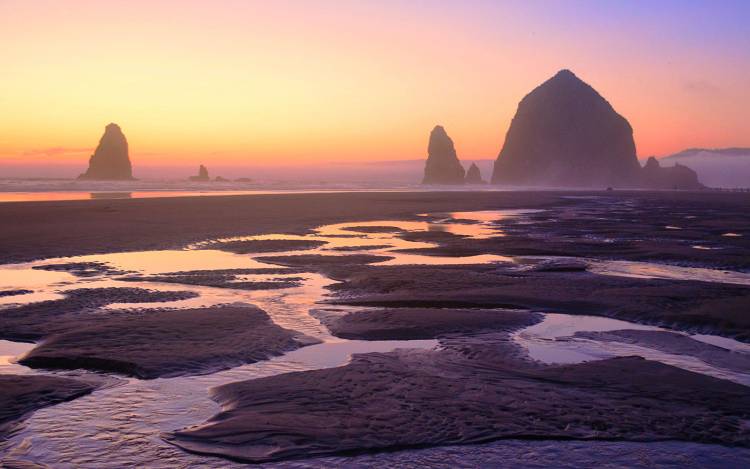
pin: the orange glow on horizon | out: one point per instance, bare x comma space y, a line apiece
302, 82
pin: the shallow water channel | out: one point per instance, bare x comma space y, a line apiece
120, 425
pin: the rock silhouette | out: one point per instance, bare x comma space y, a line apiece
442, 165
110, 160
655, 176
202, 174
564, 133
718, 167
473, 175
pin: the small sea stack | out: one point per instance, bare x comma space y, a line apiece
202, 175
474, 175
110, 160
443, 166
679, 177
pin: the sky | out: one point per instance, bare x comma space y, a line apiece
234, 82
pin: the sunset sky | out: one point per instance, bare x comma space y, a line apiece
229, 82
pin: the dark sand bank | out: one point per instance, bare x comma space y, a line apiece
264, 245
81, 269
655, 227
416, 323
408, 399
169, 343
14, 292
230, 278
317, 262
675, 343
479, 385
689, 305
78, 309
21, 394
35, 230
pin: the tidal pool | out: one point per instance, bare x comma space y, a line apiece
120, 425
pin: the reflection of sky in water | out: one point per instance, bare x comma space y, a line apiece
9, 352
91, 428
663, 271
23, 277
551, 341
156, 262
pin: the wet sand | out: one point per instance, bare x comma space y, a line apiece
35, 230
678, 344
714, 308
409, 399
78, 309
480, 385
20, 395
169, 343
415, 323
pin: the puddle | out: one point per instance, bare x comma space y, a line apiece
543, 342
159, 262
670, 272
723, 342
552, 341
21, 277
120, 426
9, 353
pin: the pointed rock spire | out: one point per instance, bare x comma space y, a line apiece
443, 166
110, 159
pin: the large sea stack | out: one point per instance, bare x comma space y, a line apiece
442, 165
564, 133
110, 161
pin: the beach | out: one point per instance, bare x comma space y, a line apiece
360, 322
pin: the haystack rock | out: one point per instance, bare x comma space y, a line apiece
110, 159
202, 175
473, 175
655, 176
564, 133
442, 165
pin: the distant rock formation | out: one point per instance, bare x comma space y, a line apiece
202, 175
220, 179
442, 165
473, 175
732, 151
718, 167
110, 160
565, 134
678, 176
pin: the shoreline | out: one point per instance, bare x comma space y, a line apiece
480, 373
45, 229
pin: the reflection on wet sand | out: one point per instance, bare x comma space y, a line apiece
554, 340
663, 271
89, 431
